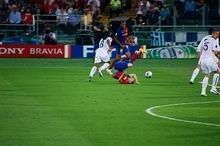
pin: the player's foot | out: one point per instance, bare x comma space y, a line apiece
191, 82
90, 79
203, 94
130, 64
214, 91
109, 71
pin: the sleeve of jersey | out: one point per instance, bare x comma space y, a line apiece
199, 48
217, 47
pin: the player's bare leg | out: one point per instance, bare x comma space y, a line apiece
118, 57
195, 74
137, 53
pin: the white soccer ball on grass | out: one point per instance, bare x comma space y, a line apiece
148, 74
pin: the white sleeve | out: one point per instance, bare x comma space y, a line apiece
217, 47
109, 39
200, 46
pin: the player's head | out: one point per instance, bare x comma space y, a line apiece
130, 40
131, 80
105, 34
123, 24
214, 32
48, 30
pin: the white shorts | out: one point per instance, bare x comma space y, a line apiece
208, 67
215, 60
101, 58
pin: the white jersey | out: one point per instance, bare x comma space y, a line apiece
206, 48
103, 52
104, 47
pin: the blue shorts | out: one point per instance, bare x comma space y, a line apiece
121, 65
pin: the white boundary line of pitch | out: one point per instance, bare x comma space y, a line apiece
150, 112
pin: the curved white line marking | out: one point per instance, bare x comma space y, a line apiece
150, 111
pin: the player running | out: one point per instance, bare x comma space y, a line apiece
208, 61
127, 56
196, 71
102, 54
120, 38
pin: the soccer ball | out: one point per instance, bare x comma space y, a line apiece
148, 74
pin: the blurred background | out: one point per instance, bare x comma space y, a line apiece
156, 23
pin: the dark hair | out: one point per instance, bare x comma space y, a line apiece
105, 34
211, 30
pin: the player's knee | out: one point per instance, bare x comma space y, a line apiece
96, 64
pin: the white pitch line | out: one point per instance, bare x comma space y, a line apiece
150, 112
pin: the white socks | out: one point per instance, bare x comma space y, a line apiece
204, 85
104, 67
194, 74
93, 71
215, 81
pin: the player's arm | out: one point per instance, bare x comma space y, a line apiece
117, 41
128, 54
109, 43
217, 54
199, 53
217, 50
199, 49
96, 28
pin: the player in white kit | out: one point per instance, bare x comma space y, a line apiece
102, 54
196, 71
209, 62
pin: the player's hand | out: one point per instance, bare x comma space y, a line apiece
110, 49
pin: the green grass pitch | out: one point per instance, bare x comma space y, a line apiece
49, 102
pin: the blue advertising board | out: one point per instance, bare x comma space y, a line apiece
161, 39
88, 51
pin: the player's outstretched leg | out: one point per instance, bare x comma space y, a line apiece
194, 75
112, 64
92, 73
204, 85
118, 57
138, 53
103, 67
214, 84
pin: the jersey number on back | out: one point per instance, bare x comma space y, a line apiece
101, 43
206, 47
